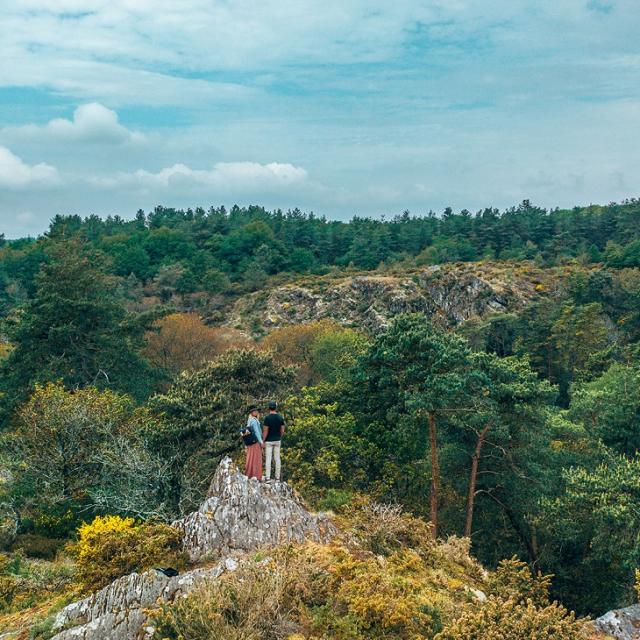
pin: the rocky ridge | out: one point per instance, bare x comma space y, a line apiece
239, 515
449, 294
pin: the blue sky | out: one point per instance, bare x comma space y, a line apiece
340, 107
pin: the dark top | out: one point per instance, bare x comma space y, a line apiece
273, 421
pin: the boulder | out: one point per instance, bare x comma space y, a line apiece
239, 515
621, 624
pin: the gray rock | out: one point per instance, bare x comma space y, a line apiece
622, 624
238, 515
241, 514
119, 611
448, 296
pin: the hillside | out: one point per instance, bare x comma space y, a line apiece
449, 294
465, 406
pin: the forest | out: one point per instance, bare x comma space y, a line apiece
121, 388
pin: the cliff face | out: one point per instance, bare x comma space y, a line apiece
449, 294
239, 515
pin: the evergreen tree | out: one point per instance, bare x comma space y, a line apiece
75, 329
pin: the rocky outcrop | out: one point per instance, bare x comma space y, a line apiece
119, 611
239, 515
448, 295
621, 624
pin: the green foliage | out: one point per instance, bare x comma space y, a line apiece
202, 414
110, 547
594, 526
249, 244
335, 352
24, 582
33, 545
340, 591
81, 450
323, 450
609, 407
513, 580
414, 368
512, 620
215, 281
74, 329
580, 334
517, 474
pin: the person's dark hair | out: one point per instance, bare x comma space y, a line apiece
273, 405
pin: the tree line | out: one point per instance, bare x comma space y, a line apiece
219, 250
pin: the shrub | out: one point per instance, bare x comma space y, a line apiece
314, 591
383, 529
37, 546
250, 608
512, 620
24, 583
513, 580
388, 598
111, 546
335, 499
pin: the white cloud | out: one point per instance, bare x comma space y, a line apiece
161, 52
250, 176
17, 174
91, 122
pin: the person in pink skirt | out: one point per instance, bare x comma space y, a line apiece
252, 437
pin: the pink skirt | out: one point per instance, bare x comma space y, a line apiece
254, 461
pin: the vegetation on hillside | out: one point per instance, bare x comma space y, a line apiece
518, 432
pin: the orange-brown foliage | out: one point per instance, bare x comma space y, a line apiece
293, 344
182, 341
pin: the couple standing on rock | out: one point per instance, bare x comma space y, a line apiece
268, 437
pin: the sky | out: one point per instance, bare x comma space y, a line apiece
340, 107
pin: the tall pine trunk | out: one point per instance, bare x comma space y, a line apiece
473, 481
435, 474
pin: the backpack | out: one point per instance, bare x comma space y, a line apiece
249, 438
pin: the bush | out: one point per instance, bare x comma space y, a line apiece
512, 620
36, 546
251, 608
111, 546
313, 592
383, 529
24, 583
335, 499
513, 580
